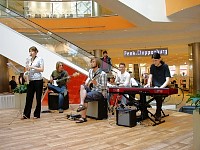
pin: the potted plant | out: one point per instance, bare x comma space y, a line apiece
194, 99
20, 89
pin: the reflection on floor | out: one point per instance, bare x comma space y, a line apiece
54, 131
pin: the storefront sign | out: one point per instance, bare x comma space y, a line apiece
145, 52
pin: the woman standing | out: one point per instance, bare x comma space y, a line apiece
34, 67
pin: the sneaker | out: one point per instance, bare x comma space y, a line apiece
36, 117
61, 110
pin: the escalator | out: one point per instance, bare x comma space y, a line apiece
18, 34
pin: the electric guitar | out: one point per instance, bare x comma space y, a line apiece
55, 82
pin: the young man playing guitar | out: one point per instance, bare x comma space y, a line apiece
58, 80
94, 89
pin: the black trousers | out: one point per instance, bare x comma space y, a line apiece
159, 101
35, 86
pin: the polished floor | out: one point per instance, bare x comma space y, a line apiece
53, 131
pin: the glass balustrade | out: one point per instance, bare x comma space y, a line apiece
43, 36
57, 9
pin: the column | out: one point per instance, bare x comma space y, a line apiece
98, 53
4, 77
196, 66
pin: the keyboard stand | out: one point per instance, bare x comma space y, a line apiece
163, 114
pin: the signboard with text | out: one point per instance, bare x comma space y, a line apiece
145, 52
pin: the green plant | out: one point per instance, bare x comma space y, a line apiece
20, 89
194, 99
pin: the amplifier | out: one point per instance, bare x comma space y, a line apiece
97, 109
53, 101
126, 117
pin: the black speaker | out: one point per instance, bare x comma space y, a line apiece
53, 101
126, 117
98, 109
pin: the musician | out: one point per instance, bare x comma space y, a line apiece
57, 84
159, 78
98, 79
123, 79
34, 67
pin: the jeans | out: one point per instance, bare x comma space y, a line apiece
60, 91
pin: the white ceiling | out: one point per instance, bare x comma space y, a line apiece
176, 35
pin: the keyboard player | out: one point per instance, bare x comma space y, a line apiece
159, 78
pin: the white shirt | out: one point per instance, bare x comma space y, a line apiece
37, 62
133, 82
123, 79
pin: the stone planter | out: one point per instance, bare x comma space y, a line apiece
196, 129
20, 100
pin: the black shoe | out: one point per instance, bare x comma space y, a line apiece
24, 117
61, 110
157, 116
158, 119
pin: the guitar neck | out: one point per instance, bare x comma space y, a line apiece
63, 78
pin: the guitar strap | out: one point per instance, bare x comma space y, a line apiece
97, 73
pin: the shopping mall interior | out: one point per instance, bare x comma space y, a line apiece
73, 31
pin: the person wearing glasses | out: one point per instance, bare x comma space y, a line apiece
57, 84
159, 77
34, 67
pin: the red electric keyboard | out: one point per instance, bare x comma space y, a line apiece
147, 91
